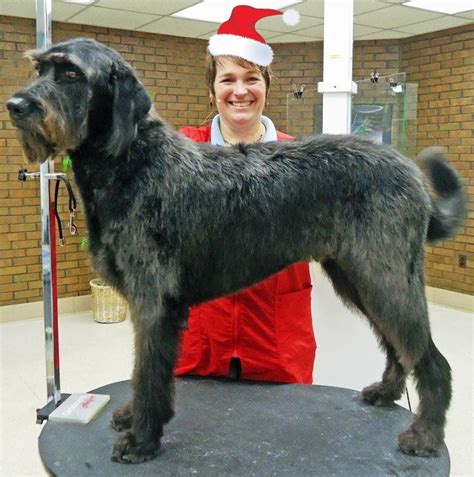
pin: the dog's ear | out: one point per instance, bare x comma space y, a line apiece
131, 103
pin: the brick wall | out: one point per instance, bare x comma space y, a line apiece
442, 64
172, 70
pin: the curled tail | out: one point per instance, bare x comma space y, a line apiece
448, 199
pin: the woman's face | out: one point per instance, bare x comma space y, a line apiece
239, 93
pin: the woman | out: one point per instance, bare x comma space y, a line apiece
263, 332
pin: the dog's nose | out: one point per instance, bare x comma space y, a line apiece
17, 106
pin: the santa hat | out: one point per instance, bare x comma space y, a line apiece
238, 37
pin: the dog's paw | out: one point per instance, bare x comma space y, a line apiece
423, 444
122, 417
127, 450
378, 394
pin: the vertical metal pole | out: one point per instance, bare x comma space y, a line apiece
48, 245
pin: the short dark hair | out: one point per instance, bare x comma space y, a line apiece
212, 62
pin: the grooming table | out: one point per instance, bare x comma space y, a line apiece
240, 428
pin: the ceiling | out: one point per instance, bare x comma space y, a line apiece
373, 19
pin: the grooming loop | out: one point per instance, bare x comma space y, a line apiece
23, 175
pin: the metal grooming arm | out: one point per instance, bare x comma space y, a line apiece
48, 245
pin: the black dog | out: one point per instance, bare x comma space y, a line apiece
173, 223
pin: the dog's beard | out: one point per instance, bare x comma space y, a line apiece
43, 138
34, 146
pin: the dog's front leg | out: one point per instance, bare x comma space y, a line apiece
156, 343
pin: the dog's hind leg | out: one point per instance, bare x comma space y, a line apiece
156, 343
397, 306
433, 376
393, 381
343, 286
390, 389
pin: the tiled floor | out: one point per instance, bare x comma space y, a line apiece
93, 355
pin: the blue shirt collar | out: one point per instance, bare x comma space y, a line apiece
218, 140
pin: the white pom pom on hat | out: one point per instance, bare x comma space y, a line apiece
291, 17
237, 36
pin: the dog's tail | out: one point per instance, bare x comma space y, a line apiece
448, 199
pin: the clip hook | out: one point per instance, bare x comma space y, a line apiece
72, 225
298, 92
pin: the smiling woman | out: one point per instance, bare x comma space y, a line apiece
239, 90
264, 332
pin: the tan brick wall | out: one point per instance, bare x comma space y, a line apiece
172, 69
442, 64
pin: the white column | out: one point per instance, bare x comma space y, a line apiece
337, 85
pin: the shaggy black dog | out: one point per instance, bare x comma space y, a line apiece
173, 223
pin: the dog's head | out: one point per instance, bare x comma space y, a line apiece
84, 91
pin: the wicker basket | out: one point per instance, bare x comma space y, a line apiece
107, 305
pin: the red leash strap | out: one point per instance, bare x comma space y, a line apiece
54, 284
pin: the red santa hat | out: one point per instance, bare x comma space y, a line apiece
238, 37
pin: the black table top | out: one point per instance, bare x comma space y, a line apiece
232, 428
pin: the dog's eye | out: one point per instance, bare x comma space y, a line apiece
65, 72
71, 74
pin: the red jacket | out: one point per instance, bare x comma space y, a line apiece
268, 326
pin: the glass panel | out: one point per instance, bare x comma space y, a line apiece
384, 110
